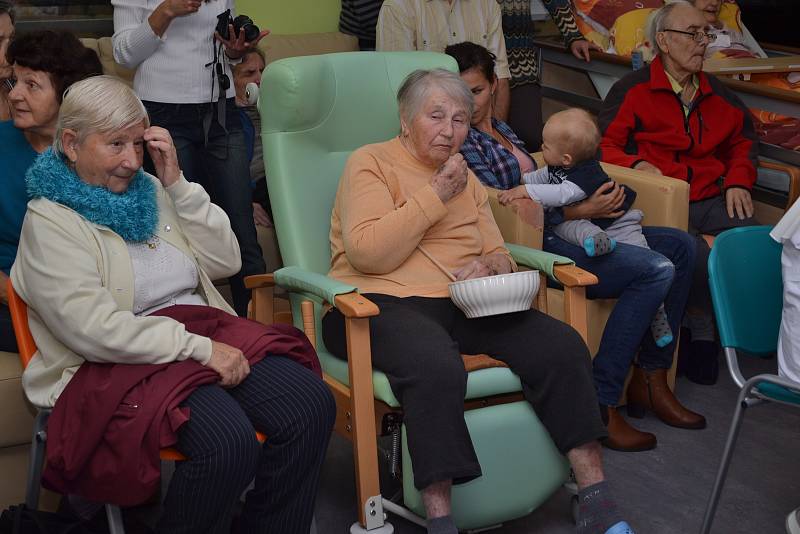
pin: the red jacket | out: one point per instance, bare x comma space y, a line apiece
713, 148
106, 429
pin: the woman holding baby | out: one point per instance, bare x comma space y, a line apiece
640, 278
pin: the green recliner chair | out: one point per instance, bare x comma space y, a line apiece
315, 111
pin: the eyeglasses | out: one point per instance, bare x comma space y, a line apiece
697, 37
9, 83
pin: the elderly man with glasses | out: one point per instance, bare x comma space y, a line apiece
673, 119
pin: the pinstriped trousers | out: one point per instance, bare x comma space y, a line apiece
285, 401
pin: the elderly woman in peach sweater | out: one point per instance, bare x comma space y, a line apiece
411, 198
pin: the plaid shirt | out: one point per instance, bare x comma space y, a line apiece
492, 163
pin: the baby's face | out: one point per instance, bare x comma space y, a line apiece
552, 152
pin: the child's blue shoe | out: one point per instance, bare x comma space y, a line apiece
620, 528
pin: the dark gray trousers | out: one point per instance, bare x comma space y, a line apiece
418, 343
708, 216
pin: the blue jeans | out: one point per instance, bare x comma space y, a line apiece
222, 167
641, 279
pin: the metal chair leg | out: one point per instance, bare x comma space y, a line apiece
727, 454
114, 515
36, 461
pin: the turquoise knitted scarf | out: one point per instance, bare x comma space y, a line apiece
132, 214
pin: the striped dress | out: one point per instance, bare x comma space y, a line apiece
524, 58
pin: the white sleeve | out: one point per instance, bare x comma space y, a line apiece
539, 176
555, 195
134, 39
207, 229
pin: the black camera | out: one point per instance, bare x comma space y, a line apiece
240, 23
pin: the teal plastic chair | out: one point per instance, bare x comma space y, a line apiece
744, 271
315, 111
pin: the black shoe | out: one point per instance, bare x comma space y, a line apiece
703, 365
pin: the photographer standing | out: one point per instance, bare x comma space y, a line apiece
182, 51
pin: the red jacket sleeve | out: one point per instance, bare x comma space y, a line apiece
617, 122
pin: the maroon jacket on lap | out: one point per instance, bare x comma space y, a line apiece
106, 429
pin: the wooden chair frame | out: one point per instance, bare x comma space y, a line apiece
27, 349
359, 416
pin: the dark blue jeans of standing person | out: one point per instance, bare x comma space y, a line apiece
640, 279
222, 167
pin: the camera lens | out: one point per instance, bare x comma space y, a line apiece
245, 23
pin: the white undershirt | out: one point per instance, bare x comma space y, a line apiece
550, 195
170, 69
163, 276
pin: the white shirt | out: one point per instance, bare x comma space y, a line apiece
162, 276
432, 25
787, 232
171, 68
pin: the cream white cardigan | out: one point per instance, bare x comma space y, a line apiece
77, 279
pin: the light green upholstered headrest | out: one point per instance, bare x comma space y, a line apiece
315, 111
302, 93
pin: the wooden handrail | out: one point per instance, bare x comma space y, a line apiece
574, 276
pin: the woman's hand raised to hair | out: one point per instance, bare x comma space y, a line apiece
165, 157
450, 178
229, 363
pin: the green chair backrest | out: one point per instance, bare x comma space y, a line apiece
744, 272
315, 111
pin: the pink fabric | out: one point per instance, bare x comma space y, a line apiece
524, 159
108, 425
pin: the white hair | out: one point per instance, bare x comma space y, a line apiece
659, 20
99, 104
417, 85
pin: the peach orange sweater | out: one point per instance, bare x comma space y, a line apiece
385, 207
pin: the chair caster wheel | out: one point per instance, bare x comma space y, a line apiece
573, 507
356, 528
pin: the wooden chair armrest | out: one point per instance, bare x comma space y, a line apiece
794, 177
255, 281
354, 305
574, 276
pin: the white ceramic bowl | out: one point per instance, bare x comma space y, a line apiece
493, 295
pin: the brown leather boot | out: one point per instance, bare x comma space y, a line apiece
622, 436
648, 390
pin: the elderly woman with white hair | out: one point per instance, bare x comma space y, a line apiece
116, 267
399, 204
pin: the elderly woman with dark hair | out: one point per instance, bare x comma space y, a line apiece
401, 203
116, 267
42, 64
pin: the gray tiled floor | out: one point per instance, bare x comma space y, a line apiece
663, 491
